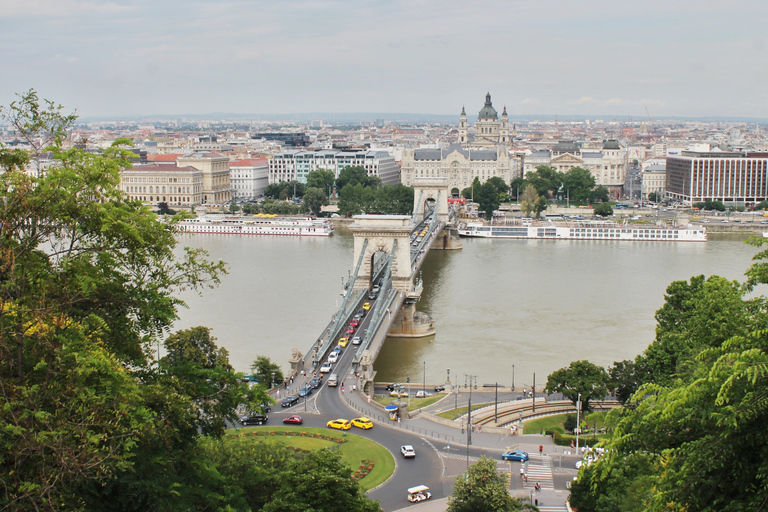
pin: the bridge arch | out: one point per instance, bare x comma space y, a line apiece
434, 189
382, 231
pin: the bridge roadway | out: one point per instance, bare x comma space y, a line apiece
441, 451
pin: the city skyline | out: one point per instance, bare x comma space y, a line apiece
131, 59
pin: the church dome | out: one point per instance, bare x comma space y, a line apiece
487, 111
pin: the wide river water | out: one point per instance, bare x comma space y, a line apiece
534, 304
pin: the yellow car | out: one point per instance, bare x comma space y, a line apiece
364, 423
343, 342
339, 424
398, 394
367, 306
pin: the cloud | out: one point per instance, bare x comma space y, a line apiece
61, 8
614, 101
584, 100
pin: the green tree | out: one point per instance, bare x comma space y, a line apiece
322, 179
488, 199
578, 183
234, 207
653, 196
579, 378
531, 204
626, 487
516, 186
262, 368
482, 489
544, 179
763, 205
88, 279
356, 175
600, 194
603, 210
315, 199
196, 345
623, 379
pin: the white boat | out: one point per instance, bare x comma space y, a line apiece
256, 225
586, 230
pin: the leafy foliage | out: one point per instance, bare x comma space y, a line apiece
314, 199
603, 210
357, 199
263, 368
481, 488
580, 377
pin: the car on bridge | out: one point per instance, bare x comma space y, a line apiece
333, 357
315, 382
343, 341
407, 451
305, 391
518, 455
350, 331
339, 424
326, 367
295, 420
356, 340
366, 306
363, 423
355, 322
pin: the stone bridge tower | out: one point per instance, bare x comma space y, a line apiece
381, 232
433, 190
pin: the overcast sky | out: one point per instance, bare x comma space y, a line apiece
680, 58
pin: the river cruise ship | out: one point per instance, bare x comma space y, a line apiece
262, 224
586, 230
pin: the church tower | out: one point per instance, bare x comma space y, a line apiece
463, 128
504, 130
487, 126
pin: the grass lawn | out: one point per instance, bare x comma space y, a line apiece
540, 424
352, 452
416, 403
455, 413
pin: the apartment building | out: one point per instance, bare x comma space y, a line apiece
295, 165
161, 183
249, 177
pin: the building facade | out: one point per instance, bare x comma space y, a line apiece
607, 164
295, 165
461, 166
653, 180
249, 177
730, 177
154, 184
217, 188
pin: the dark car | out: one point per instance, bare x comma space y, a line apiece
254, 419
394, 386
315, 382
439, 388
361, 312
305, 391
266, 408
289, 401
371, 296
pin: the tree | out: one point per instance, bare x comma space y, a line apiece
600, 194
196, 345
322, 179
88, 279
315, 199
763, 205
234, 207
578, 183
263, 369
517, 185
356, 175
603, 210
653, 196
482, 489
623, 379
579, 378
531, 203
544, 179
488, 199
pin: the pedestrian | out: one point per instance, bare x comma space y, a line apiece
525, 477
537, 487
541, 450
342, 388
522, 472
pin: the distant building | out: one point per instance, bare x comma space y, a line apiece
461, 166
489, 130
288, 139
608, 164
295, 165
162, 183
249, 177
730, 177
217, 188
653, 180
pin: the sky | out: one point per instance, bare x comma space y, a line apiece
675, 58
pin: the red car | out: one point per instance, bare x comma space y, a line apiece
351, 330
295, 419
354, 323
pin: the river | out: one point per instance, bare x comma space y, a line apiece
534, 304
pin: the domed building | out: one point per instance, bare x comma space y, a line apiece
489, 130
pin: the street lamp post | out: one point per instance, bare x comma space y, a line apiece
424, 383
578, 412
273, 380
513, 377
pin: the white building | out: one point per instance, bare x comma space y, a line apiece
162, 183
653, 180
249, 177
461, 166
295, 165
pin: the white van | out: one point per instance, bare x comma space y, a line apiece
333, 380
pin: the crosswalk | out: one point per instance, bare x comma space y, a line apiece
539, 471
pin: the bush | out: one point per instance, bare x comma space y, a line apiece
565, 439
570, 423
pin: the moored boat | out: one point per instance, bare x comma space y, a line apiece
585, 230
257, 225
